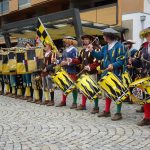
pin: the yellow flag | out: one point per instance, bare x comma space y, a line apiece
44, 35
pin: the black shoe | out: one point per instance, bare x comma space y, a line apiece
116, 117
144, 122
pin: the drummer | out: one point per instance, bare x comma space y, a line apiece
89, 64
142, 62
69, 52
113, 60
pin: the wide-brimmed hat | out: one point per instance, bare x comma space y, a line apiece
144, 32
70, 40
69, 37
129, 42
90, 37
110, 30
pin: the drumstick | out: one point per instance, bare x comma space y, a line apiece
80, 72
94, 40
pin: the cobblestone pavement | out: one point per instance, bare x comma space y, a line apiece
27, 126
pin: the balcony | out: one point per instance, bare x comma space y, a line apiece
24, 4
106, 14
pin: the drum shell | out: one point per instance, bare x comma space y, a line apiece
126, 79
88, 87
113, 87
63, 81
140, 91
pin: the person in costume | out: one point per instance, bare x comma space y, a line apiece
19, 86
5, 72
142, 63
113, 59
27, 87
36, 81
13, 86
89, 64
130, 53
72, 69
1, 75
12, 69
128, 68
46, 78
36, 78
7, 90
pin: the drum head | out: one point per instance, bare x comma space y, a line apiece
88, 87
140, 81
113, 87
140, 91
63, 81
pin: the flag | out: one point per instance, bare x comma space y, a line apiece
35, 58
5, 66
21, 62
44, 35
12, 63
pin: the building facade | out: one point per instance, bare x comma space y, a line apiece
135, 17
94, 15
101, 11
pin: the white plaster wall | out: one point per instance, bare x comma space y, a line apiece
137, 25
147, 6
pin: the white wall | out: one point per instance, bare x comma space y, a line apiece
137, 25
147, 6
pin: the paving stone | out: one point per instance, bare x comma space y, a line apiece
27, 126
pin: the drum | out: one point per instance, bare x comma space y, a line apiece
63, 81
88, 87
126, 79
140, 91
114, 87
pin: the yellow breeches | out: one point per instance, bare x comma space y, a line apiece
46, 94
13, 90
36, 94
19, 92
7, 88
28, 93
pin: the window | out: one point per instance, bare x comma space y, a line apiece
24, 3
0, 7
104, 2
88, 4
5, 6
